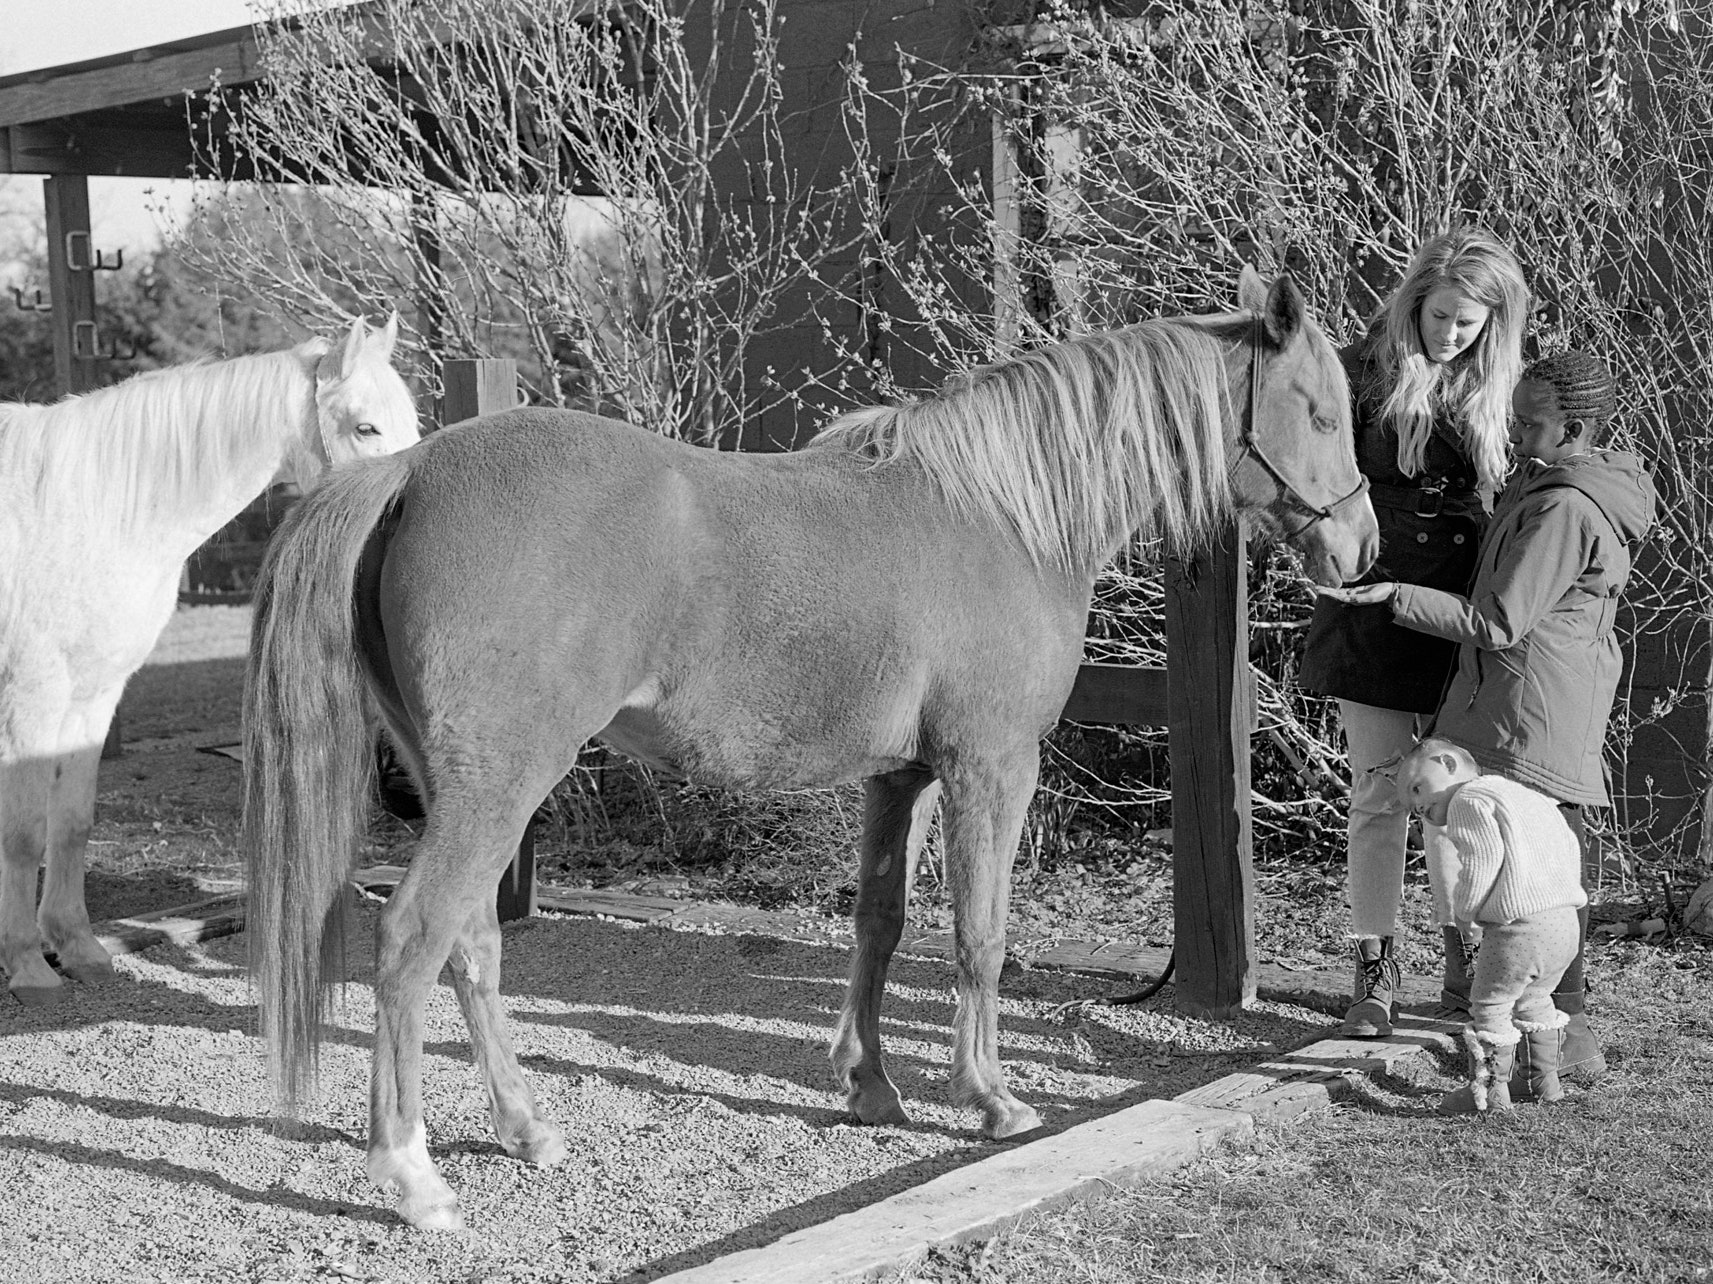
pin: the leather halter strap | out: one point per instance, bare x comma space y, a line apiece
1289, 497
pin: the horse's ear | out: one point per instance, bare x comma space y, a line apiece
354, 340
1284, 311
1251, 289
389, 336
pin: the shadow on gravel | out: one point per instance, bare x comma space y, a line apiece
19, 1095
166, 1170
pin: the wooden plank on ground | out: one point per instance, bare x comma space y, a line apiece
1097, 958
1270, 1097
182, 925
605, 904
1321, 1072
979, 1200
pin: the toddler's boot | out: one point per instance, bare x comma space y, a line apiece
1491, 1060
1377, 979
1538, 1055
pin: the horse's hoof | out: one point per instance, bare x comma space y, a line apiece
39, 996
93, 973
542, 1145
1011, 1120
887, 1112
434, 1217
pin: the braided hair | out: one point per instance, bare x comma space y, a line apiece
1581, 383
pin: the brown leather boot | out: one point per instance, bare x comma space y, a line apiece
1377, 980
1459, 976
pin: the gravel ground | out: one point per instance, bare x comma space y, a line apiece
688, 1068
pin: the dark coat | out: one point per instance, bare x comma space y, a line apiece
1540, 661
1357, 652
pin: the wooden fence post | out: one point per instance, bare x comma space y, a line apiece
1210, 694
71, 288
481, 387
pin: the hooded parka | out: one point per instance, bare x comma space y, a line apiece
1539, 665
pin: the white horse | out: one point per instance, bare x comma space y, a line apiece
102, 498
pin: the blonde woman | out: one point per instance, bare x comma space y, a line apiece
1430, 391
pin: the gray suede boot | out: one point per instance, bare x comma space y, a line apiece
1579, 1050
1377, 980
1536, 1077
1490, 1066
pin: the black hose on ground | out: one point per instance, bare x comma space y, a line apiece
1125, 1000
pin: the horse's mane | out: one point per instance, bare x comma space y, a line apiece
157, 441
1075, 444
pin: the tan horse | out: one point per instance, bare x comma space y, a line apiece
903, 602
102, 498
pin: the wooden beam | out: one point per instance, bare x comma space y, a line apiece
1119, 695
150, 77
102, 150
1211, 701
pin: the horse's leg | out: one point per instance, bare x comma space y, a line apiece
25, 788
475, 968
982, 822
452, 876
63, 916
895, 822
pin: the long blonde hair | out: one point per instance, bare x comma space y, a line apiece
1474, 388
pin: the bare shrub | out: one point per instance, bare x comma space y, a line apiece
599, 193
1142, 152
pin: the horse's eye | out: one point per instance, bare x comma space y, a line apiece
367, 430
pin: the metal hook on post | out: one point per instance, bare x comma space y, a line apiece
86, 345
89, 259
38, 306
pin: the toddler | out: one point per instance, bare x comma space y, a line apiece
1511, 880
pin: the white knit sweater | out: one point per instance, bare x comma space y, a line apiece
1515, 854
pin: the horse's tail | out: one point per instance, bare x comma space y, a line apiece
308, 759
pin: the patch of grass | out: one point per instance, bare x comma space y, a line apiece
1614, 1185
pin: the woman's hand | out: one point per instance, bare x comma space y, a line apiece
1359, 594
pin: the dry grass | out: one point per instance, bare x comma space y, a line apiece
1614, 1185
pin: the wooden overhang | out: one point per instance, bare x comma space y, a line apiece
127, 115
162, 111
